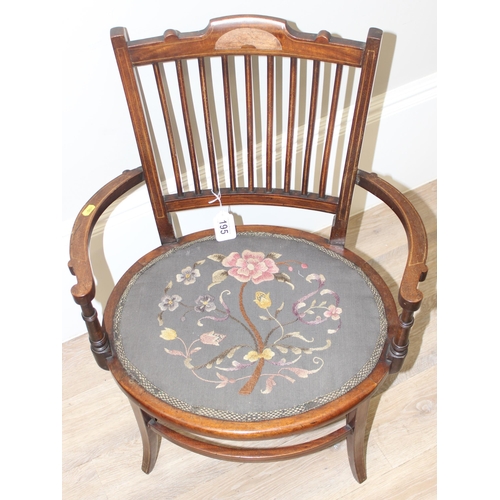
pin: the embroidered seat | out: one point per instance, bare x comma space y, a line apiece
243, 330
268, 331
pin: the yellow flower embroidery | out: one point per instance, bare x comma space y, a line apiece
253, 356
263, 300
168, 334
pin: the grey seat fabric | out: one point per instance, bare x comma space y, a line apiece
260, 327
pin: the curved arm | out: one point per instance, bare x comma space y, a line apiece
410, 297
79, 265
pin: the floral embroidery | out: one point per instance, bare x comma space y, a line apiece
255, 356
253, 266
333, 312
212, 338
168, 334
263, 300
169, 302
205, 303
188, 276
277, 340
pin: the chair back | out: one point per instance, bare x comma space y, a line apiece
250, 109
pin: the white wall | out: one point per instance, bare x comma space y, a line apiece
97, 136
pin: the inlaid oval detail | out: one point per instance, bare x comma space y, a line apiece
248, 37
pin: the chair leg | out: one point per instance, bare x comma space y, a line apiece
356, 448
150, 440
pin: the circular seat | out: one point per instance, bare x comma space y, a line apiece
260, 327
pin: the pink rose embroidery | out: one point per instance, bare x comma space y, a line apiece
249, 265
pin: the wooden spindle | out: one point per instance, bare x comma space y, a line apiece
250, 124
310, 127
329, 132
270, 115
229, 122
161, 83
187, 124
208, 125
291, 123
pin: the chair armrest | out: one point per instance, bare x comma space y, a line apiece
79, 265
415, 271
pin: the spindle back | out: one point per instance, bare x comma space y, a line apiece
249, 108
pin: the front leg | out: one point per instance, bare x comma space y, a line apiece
150, 440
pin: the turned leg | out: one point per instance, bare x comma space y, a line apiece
99, 343
150, 440
356, 449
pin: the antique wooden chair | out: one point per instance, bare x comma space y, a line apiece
259, 332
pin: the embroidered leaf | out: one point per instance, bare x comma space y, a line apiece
284, 362
230, 354
199, 263
285, 279
333, 331
280, 308
218, 257
316, 277
187, 364
300, 372
303, 373
301, 350
239, 365
236, 366
273, 255
308, 350
224, 382
174, 353
326, 346
160, 319
196, 349
168, 287
298, 336
265, 318
270, 383
218, 277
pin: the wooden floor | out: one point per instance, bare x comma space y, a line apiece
102, 450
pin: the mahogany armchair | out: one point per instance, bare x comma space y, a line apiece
255, 332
